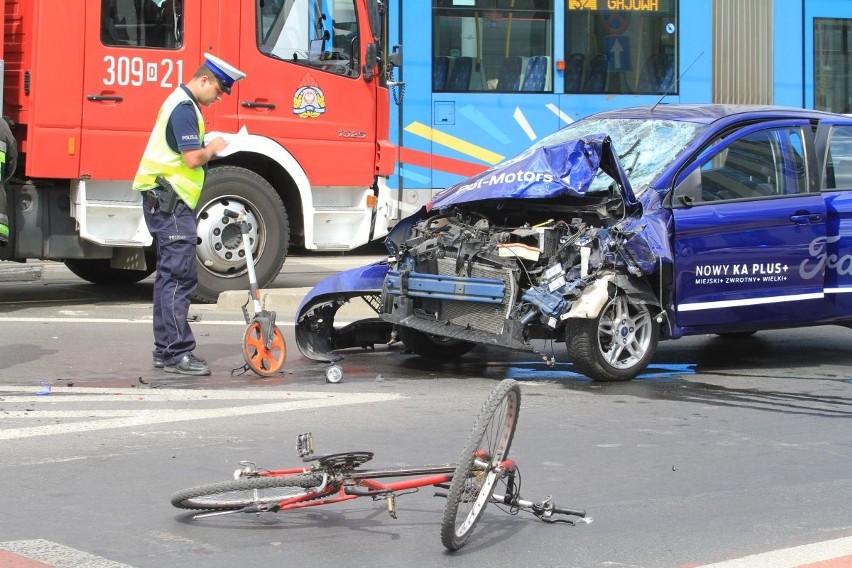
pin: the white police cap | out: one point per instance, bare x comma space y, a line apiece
225, 72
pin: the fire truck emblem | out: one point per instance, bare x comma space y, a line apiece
308, 100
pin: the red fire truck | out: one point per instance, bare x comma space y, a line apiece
83, 80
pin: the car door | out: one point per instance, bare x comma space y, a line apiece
834, 253
744, 224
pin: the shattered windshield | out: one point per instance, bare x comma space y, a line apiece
644, 146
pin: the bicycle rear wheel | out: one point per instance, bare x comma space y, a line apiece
232, 495
477, 472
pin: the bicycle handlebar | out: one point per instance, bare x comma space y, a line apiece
565, 511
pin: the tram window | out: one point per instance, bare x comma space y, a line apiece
833, 64
622, 47
149, 23
492, 45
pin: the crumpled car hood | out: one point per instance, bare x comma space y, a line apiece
565, 169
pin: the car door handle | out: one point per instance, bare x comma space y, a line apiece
99, 98
806, 218
252, 104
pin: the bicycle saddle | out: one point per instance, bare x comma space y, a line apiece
345, 460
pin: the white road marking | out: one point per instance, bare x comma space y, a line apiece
75, 320
268, 402
147, 320
837, 549
57, 555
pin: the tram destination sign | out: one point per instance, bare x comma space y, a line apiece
621, 5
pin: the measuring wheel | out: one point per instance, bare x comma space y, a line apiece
263, 361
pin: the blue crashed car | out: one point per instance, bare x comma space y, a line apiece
619, 230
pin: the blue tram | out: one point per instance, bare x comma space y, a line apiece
483, 79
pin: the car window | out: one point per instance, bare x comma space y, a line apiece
754, 167
838, 164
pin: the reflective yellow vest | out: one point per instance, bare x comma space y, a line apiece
2, 160
160, 160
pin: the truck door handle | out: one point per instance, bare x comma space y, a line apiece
98, 98
806, 218
252, 104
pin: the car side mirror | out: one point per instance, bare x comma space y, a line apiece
688, 192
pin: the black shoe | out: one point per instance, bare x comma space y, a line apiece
189, 364
158, 360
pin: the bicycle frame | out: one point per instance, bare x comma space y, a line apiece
364, 483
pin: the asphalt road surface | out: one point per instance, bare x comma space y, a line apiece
725, 453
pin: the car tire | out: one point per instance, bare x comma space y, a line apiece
591, 342
433, 346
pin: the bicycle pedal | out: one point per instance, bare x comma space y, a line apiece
305, 444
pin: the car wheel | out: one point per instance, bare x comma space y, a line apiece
615, 346
433, 346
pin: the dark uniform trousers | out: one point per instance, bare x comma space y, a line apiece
177, 277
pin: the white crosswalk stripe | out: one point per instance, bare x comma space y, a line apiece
22, 404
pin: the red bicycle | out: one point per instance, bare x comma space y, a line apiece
468, 486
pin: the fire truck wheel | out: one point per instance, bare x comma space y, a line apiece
99, 271
221, 258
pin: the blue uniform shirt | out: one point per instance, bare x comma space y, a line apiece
182, 132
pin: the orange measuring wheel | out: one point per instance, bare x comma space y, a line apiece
264, 361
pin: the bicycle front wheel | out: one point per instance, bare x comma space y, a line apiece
478, 469
233, 495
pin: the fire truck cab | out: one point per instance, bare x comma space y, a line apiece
309, 157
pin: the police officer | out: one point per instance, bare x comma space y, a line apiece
8, 162
170, 177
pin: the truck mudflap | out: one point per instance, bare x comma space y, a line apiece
316, 336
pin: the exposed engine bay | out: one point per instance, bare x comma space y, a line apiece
508, 272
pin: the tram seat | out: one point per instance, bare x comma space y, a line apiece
574, 72
595, 81
657, 75
441, 66
460, 74
537, 74
511, 72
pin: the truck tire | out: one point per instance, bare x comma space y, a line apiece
99, 271
221, 261
615, 346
